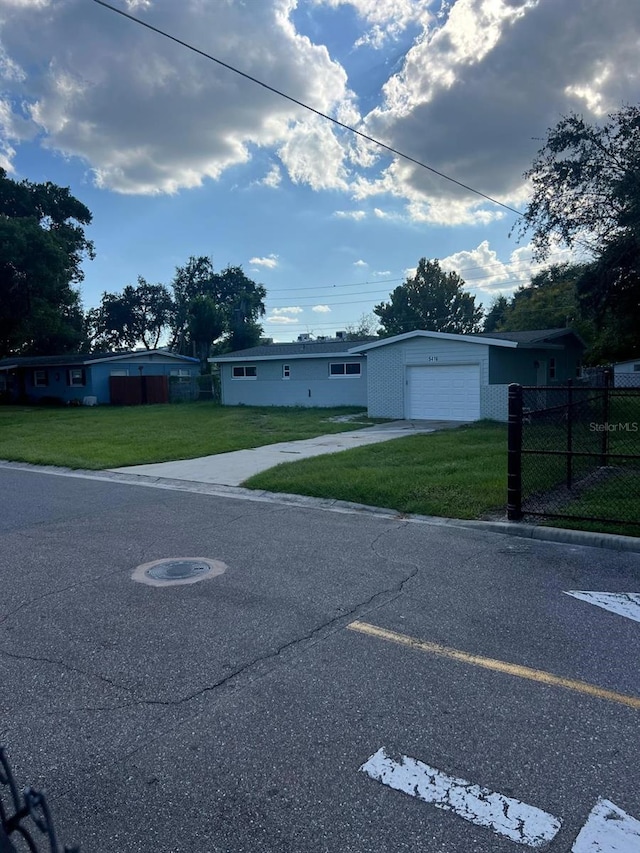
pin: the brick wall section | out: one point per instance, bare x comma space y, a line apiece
494, 402
385, 382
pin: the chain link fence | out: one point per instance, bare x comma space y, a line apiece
574, 451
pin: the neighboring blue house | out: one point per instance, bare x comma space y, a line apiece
418, 375
88, 378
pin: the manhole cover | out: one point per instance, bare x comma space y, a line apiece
178, 570
174, 570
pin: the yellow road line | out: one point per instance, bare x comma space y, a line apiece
496, 665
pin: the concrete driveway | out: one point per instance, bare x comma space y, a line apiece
231, 469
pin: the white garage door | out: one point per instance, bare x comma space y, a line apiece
444, 392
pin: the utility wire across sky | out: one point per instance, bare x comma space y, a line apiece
293, 100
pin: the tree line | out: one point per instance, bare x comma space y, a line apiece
585, 194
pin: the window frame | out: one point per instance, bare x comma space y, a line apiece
345, 375
38, 375
244, 368
552, 368
286, 371
74, 373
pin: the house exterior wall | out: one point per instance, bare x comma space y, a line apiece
519, 365
627, 373
96, 377
309, 383
387, 365
57, 386
494, 402
152, 365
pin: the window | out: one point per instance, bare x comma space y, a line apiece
636, 367
40, 378
76, 377
344, 369
244, 372
120, 371
286, 371
180, 373
552, 368
578, 369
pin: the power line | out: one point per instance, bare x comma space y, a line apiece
307, 107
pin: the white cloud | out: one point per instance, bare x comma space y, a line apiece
478, 90
471, 97
270, 261
321, 309
272, 179
382, 272
358, 215
485, 273
313, 155
281, 319
387, 18
149, 116
360, 263
291, 310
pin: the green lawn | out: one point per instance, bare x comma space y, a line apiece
110, 436
460, 473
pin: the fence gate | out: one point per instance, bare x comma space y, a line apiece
137, 390
574, 452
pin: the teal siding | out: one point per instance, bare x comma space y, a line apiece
309, 384
513, 365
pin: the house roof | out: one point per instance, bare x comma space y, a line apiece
529, 339
534, 336
298, 349
73, 359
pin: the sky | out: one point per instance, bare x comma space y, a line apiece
177, 156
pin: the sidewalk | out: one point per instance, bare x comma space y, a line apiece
231, 469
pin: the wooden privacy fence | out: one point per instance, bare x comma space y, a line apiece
137, 390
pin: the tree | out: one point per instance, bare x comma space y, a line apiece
550, 301
586, 192
366, 327
432, 300
496, 314
137, 315
206, 324
238, 300
42, 246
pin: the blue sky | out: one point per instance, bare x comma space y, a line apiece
176, 156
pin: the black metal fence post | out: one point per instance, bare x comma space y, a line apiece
569, 433
606, 408
514, 454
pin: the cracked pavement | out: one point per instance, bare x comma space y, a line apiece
233, 714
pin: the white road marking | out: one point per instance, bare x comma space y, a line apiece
623, 603
608, 830
504, 815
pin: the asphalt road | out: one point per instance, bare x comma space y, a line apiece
234, 714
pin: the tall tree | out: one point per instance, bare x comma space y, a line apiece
137, 315
549, 301
586, 191
432, 300
496, 314
238, 299
42, 246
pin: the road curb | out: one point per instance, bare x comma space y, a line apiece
607, 541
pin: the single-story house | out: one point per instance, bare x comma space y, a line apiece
417, 375
116, 377
627, 373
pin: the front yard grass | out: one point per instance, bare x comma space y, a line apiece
113, 436
458, 473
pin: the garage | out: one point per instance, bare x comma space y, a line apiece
443, 392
